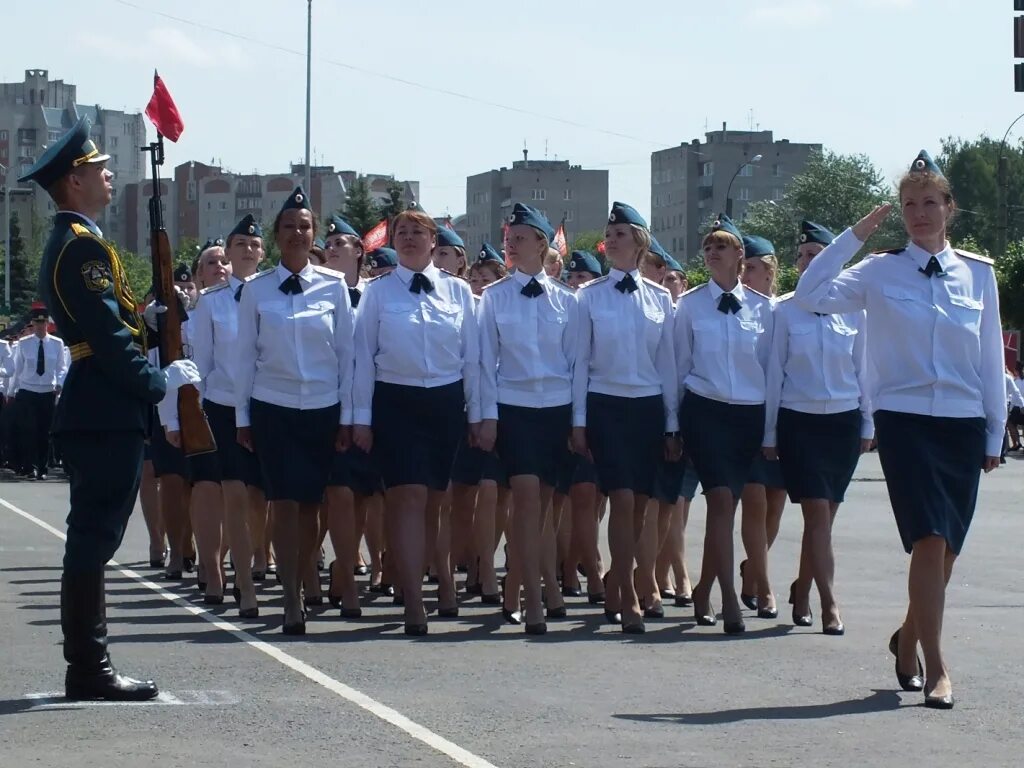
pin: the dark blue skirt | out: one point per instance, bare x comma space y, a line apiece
626, 436
818, 452
416, 432
932, 467
721, 439
473, 465
229, 461
531, 441
675, 480
354, 469
295, 449
167, 460
574, 469
766, 473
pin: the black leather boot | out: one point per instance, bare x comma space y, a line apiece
83, 618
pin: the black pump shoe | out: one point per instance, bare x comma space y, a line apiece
512, 617
416, 630
907, 682
612, 617
805, 620
734, 627
940, 702
540, 628
748, 600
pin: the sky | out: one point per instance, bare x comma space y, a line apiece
439, 91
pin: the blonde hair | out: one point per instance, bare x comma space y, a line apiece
773, 266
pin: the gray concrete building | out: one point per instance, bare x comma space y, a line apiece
556, 187
38, 110
689, 183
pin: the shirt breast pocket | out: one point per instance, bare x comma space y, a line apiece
708, 337
802, 337
398, 319
843, 338
750, 332
905, 301
273, 318
608, 327
966, 311
445, 323
513, 328
316, 330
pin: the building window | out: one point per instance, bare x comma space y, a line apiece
743, 194
704, 193
747, 170
209, 205
538, 194
190, 191
707, 169
777, 170
3, 135
777, 193
113, 142
223, 205
569, 215
567, 194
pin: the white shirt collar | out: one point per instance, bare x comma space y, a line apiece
234, 282
305, 274
618, 274
716, 291
523, 279
405, 274
921, 257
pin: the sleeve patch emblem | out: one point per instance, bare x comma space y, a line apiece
97, 276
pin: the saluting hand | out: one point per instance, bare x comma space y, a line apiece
866, 227
362, 437
244, 438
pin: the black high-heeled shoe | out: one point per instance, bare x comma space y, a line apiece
540, 628
683, 601
636, 628
511, 617
704, 619
940, 702
572, 592
748, 600
612, 617
298, 628
313, 601
259, 575
907, 682
835, 631
654, 612
334, 600
734, 627
213, 599
767, 613
597, 599
351, 613
556, 613
249, 613
494, 599
416, 630
448, 613
667, 594
799, 620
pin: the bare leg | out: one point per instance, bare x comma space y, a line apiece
374, 506
439, 529
406, 507
622, 544
236, 526
818, 517
258, 527
173, 511
645, 528
718, 556
583, 504
755, 541
777, 499
287, 535
208, 522
931, 563
484, 536
550, 519
341, 522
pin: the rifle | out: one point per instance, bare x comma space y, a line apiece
196, 436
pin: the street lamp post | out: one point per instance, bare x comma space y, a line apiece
728, 191
1002, 213
309, 75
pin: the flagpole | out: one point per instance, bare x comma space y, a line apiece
309, 76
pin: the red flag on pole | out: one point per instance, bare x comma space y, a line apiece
448, 223
559, 243
162, 111
600, 247
376, 237
504, 239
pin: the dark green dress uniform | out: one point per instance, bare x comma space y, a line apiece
100, 421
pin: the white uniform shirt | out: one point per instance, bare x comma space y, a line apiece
723, 355
625, 345
55, 364
936, 345
818, 364
416, 339
1013, 394
527, 345
6, 365
294, 350
213, 326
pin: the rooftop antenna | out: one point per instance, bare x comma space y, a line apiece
545, 149
526, 152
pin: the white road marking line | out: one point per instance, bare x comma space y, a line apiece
387, 714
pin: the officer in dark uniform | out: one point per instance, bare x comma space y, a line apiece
102, 415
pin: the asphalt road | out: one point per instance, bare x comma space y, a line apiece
477, 692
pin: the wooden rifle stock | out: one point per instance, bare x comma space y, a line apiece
196, 435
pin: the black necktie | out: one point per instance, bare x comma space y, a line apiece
238, 292
932, 268
532, 289
626, 284
728, 303
421, 282
353, 296
821, 314
291, 285
40, 360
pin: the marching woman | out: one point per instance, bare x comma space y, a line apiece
528, 327
723, 337
764, 496
220, 494
417, 376
936, 357
353, 480
293, 388
817, 426
624, 396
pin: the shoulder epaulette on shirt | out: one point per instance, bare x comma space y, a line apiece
329, 272
81, 231
595, 281
785, 296
213, 289
499, 281
656, 285
975, 256
378, 277
756, 293
693, 290
258, 275
889, 250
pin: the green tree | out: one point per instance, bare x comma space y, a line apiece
24, 279
139, 270
187, 250
588, 241
972, 170
696, 274
395, 204
360, 209
834, 191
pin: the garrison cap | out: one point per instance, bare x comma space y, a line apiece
247, 226
449, 238
380, 258
814, 233
531, 217
585, 261
339, 226
754, 247
623, 213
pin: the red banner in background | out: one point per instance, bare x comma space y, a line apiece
559, 244
376, 237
